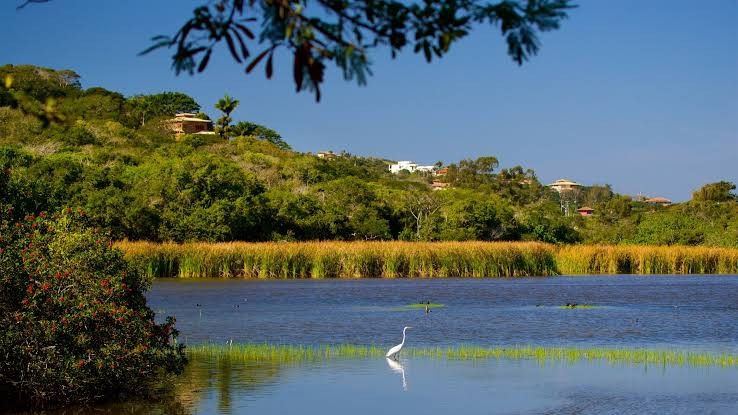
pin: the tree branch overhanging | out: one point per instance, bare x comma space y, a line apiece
343, 32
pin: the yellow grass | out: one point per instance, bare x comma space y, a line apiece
637, 259
419, 259
343, 259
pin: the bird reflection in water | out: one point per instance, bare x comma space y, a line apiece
397, 367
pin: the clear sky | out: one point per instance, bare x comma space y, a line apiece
642, 95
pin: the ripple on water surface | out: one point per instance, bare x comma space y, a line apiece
693, 312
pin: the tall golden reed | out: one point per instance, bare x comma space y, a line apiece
342, 259
420, 259
638, 259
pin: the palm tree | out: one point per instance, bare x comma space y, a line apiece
226, 105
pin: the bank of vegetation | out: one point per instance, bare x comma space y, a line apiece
287, 354
74, 324
62, 145
393, 259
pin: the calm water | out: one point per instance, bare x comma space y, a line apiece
695, 313
656, 311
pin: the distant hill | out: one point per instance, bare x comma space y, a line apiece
117, 158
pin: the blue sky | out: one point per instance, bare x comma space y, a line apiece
642, 95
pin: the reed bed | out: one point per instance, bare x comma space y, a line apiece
420, 259
301, 354
638, 259
343, 259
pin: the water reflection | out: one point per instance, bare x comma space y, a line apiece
222, 385
364, 386
397, 367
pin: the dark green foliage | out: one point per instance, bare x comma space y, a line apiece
692, 223
142, 108
245, 128
544, 222
715, 192
41, 83
74, 324
489, 219
95, 103
226, 105
669, 229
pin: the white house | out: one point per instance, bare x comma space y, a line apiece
409, 166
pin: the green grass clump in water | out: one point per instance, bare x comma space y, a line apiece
421, 305
300, 354
417, 306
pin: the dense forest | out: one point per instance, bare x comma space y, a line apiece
116, 159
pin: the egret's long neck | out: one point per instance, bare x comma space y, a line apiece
403, 336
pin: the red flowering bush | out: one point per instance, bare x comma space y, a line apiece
74, 324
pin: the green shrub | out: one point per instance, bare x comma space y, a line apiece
74, 324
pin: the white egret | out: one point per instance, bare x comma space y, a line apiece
395, 351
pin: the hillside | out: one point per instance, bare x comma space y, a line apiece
115, 158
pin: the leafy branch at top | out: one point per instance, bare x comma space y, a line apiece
343, 32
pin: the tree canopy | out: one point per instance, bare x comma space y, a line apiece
715, 192
141, 182
162, 104
246, 128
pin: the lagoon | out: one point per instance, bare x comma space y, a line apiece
681, 314
688, 312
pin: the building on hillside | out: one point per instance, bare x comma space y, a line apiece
438, 185
562, 185
658, 201
327, 155
187, 123
409, 166
441, 172
585, 211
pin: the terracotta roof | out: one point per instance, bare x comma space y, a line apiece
585, 209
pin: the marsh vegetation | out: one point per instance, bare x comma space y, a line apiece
420, 260
316, 353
